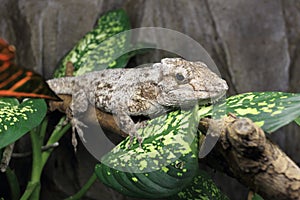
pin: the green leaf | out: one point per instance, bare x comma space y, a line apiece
167, 162
269, 110
96, 48
297, 121
257, 197
202, 187
17, 119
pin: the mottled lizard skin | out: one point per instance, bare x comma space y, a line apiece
147, 91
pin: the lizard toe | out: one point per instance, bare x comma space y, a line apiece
76, 124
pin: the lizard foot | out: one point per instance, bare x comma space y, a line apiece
134, 134
139, 139
127, 125
76, 125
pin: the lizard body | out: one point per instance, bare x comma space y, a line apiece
147, 91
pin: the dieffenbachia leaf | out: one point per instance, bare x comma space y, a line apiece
202, 187
262, 108
17, 119
96, 49
257, 197
298, 121
165, 164
269, 110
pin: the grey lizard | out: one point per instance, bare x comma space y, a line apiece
147, 91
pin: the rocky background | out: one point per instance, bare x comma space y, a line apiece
254, 43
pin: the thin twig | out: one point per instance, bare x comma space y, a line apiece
44, 148
7, 154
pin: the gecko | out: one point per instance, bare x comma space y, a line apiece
145, 91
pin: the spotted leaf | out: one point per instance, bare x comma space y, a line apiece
164, 166
269, 110
17, 119
96, 49
257, 197
298, 121
202, 187
257, 106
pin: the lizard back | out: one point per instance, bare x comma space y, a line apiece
147, 90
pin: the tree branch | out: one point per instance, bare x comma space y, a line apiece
252, 159
242, 151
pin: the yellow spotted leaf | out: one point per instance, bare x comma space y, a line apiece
298, 121
97, 48
17, 119
166, 164
202, 187
269, 110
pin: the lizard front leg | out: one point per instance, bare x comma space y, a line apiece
127, 125
78, 106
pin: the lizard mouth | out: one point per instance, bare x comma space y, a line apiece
213, 89
188, 97
217, 96
205, 97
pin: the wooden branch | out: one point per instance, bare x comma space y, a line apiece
242, 152
254, 160
105, 120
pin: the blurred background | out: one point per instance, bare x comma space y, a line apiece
255, 45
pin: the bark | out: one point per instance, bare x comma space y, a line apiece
246, 154
242, 151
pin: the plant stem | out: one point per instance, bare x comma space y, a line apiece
40, 158
29, 190
33, 187
58, 132
43, 127
84, 188
13, 183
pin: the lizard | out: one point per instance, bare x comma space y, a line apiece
145, 91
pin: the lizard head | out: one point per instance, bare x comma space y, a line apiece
183, 82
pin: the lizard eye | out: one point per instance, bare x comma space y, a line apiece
179, 77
